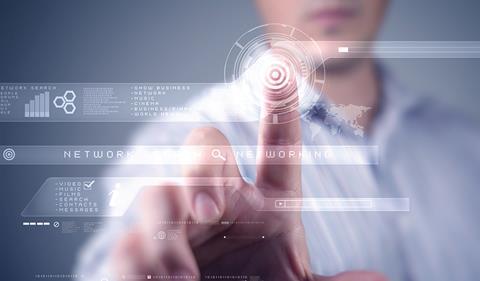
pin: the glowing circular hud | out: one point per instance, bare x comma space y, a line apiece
273, 61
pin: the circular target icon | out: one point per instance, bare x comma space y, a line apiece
275, 62
277, 76
8, 154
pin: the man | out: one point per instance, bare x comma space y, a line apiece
434, 241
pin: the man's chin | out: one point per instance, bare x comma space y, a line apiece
336, 66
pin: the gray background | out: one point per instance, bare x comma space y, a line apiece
163, 41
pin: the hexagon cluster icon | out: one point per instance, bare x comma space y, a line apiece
65, 102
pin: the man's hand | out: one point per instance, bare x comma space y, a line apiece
270, 245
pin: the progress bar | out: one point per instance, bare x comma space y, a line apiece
337, 204
406, 49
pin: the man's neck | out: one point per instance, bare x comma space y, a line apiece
355, 84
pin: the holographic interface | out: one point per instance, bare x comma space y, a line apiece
291, 141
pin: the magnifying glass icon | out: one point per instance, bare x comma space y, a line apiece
217, 154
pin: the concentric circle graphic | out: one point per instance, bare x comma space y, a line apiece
273, 62
8, 154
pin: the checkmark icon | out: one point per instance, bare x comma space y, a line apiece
88, 184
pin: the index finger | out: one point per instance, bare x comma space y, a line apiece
279, 138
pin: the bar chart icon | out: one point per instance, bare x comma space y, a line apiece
39, 106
